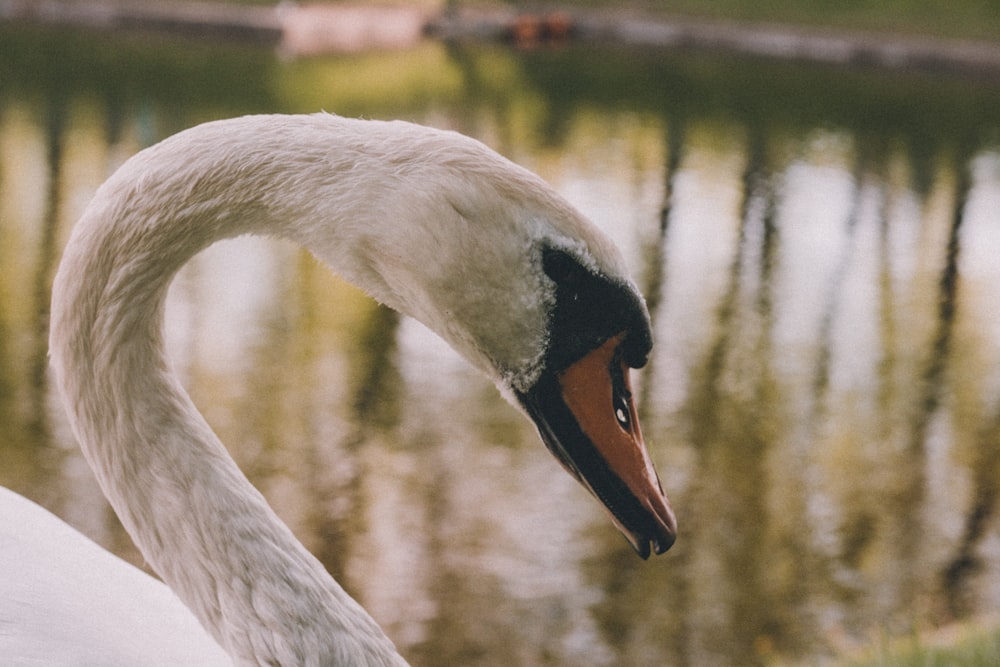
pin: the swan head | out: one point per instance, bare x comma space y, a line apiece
528, 290
559, 335
582, 403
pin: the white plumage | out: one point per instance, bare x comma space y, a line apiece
66, 601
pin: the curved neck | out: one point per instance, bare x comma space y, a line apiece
197, 520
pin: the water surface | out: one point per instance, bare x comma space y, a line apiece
819, 248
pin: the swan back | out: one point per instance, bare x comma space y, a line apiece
79, 605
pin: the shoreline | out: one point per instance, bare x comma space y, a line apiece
316, 29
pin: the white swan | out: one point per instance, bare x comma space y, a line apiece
431, 223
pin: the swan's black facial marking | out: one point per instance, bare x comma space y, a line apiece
582, 403
589, 309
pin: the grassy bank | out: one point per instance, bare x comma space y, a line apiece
970, 19
968, 646
959, 19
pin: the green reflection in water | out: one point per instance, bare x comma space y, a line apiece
823, 401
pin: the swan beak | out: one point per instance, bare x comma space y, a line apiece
587, 418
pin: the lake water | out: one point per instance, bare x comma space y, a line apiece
820, 249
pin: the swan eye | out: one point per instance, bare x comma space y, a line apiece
622, 413
621, 396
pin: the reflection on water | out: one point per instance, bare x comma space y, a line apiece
819, 249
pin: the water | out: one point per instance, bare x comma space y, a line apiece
819, 248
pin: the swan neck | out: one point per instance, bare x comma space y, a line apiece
194, 516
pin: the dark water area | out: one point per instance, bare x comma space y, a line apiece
820, 250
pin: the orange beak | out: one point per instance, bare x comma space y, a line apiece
587, 418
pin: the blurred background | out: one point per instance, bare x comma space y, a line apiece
808, 194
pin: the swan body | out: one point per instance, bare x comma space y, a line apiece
431, 223
107, 612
